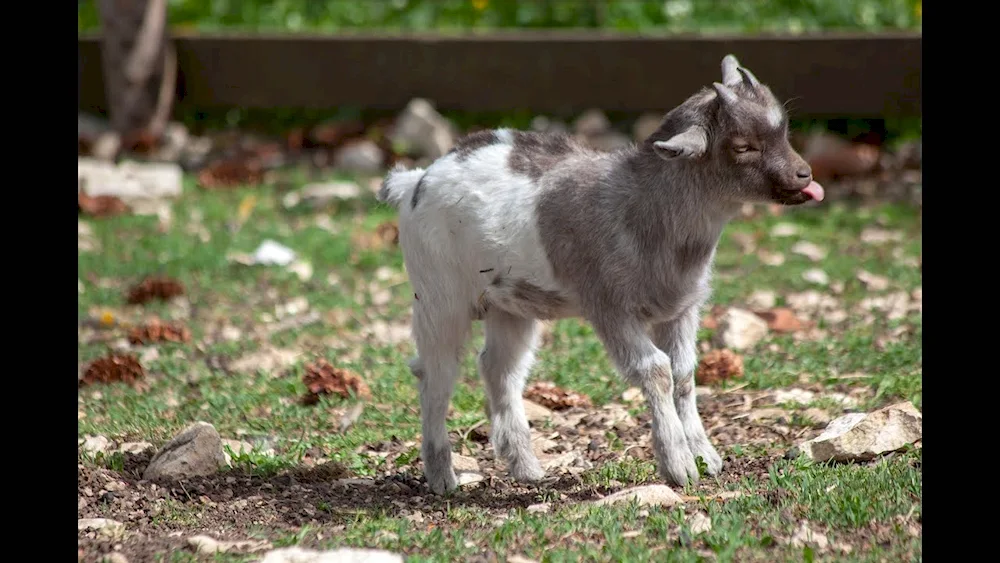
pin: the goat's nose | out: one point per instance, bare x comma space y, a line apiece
804, 172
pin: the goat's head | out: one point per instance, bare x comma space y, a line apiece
740, 130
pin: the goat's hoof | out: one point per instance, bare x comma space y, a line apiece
529, 471
708, 454
679, 469
442, 482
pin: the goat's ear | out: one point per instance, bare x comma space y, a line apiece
725, 93
730, 71
692, 143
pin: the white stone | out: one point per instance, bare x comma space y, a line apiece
647, 495
342, 555
270, 252
860, 436
740, 329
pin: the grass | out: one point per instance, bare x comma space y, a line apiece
861, 505
673, 16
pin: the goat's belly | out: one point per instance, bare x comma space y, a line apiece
523, 298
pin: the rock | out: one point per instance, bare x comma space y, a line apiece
461, 462
771, 413
762, 299
805, 535
793, 395
538, 414
104, 526
540, 508
816, 276
811, 301
468, 477
238, 447
130, 181
700, 523
95, 444
302, 269
551, 462
633, 395
270, 360
784, 230
872, 281
319, 195
421, 129
361, 156
831, 156
114, 557
107, 146
342, 555
134, 448
862, 437
197, 451
771, 258
609, 141
876, 235
208, 545
809, 250
270, 252
818, 417
591, 123
646, 125
647, 495
544, 124
740, 330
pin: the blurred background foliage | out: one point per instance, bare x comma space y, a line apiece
646, 16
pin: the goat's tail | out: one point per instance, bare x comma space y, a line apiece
398, 184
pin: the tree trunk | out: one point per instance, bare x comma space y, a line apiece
140, 69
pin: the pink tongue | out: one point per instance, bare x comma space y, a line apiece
814, 190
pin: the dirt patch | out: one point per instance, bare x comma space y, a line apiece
235, 504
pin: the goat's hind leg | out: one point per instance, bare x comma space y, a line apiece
504, 364
440, 339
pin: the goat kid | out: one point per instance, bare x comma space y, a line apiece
511, 227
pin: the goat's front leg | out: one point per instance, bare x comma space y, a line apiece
678, 338
642, 364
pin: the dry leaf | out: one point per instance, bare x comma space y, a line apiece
388, 233
781, 319
321, 378
100, 206
719, 365
230, 172
333, 134
113, 368
246, 208
548, 395
162, 288
157, 331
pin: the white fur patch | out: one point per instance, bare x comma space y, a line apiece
476, 219
504, 136
774, 116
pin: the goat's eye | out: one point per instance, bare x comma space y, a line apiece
741, 147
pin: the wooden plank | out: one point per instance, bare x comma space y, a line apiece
870, 75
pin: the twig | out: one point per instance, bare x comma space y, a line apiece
732, 389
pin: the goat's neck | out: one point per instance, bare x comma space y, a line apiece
685, 196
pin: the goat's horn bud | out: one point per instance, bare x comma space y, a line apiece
725, 93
